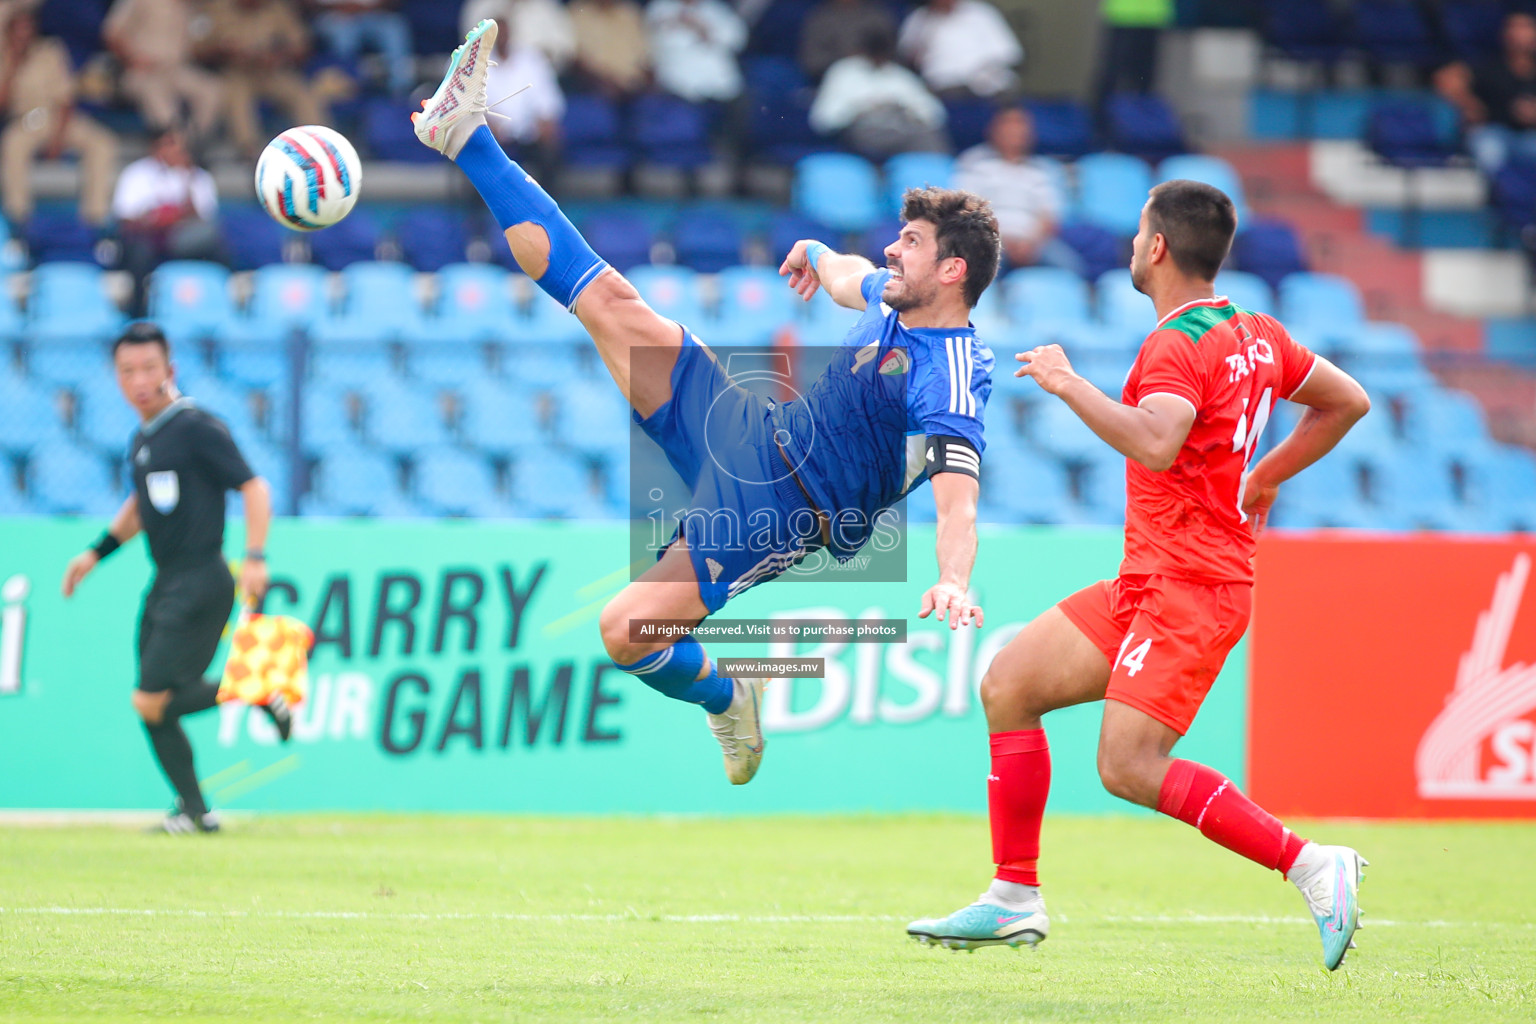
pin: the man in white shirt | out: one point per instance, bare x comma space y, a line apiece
542, 24
166, 208
529, 126
961, 47
878, 107
1023, 194
694, 45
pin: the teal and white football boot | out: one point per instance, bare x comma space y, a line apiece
985, 923
1329, 879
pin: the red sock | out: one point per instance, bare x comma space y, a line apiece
1206, 799
1016, 792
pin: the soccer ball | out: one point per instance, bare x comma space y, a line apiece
308, 177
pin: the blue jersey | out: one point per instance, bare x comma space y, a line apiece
857, 438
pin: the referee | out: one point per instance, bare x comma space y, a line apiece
183, 462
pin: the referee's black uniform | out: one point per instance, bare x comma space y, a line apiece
184, 461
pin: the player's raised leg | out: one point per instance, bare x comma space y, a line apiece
547, 246
1049, 665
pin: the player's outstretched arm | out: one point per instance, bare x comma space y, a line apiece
124, 527
954, 496
811, 264
1335, 402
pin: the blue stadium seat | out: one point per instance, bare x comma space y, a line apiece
284, 297
779, 129
1473, 27
1325, 494
1112, 188
12, 501
434, 25
190, 299
920, 505
590, 130
825, 322
772, 73
1043, 294
1371, 441
1099, 249
1103, 489
60, 237
1501, 481
69, 300
1121, 305
787, 228
1143, 125
671, 291
1325, 304
967, 119
777, 30
1105, 370
401, 418
11, 325
330, 417
838, 189
1404, 132
1248, 291
1442, 420
546, 322
28, 415
256, 359
454, 482
706, 240
755, 302
593, 418
252, 239
669, 131
389, 134
1084, 338
498, 417
353, 481
380, 304
623, 239
914, 170
77, 23
1306, 30
1056, 429
1269, 249
353, 240
474, 306
875, 238
227, 400
549, 483
1028, 488
66, 479
272, 464
103, 418
1380, 340
1416, 487
1212, 170
1394, 31
432, 237
1063, 128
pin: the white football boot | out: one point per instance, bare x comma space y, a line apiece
1329, 880
739, 729
447, 120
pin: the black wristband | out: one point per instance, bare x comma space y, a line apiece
106, 545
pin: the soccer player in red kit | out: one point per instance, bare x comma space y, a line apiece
1151, 641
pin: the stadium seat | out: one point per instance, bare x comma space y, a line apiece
498, 417
779, 129
353, 481
755, 302
401, 418
967, 119
1394, 31
11, 324
1501, 481
671, 291
1103, 489
1514, 195
1249, 291
839, 189
874, 239
1027, 488
546, 322
474, 306
1121, 305
1112, 188
285, 297
1099, 249
69, 300
28, 415
1473, 27
1063, 128
225, 399
330, 416
252, 239
66, 479
12, 501
1086, 337
1415, 487
669, 131
389, 133
920, 506
1327, 494
787, 228
432, 237
706, 240
354, 240
77, 23
777, 30
1143, 125
623, 239
272, 464
60, 237
1043, 294
103, 418
1325, 304
592, 418
1105, 370
1057, 429
915, 170
1442, 420
434, 25
190, 299
825, 322
590, 131
1269, 249
549, 483
1212, 170
1405, 133
379, 304
1307, 30
773, 73
454, 482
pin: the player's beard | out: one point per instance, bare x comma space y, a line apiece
910, 296
1138, 274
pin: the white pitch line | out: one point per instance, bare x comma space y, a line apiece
367, 915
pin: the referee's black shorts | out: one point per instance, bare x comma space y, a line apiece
184, 616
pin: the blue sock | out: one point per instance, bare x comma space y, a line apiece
672, 671
515, 198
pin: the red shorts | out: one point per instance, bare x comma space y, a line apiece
1166, 639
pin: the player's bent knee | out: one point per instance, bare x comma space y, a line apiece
150, 706
1128, 776
614, 625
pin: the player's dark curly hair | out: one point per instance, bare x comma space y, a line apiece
1197, 221
967, 228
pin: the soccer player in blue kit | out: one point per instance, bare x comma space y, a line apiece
901, 401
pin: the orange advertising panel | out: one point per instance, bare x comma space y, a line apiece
1394, 677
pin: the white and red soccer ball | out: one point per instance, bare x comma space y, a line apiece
308, 177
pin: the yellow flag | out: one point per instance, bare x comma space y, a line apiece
268, 654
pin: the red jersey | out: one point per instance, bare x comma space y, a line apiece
1230, 365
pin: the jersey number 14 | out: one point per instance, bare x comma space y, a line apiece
1246, 440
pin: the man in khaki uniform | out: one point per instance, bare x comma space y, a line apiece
37, 94
259, 46
153, 39
612, 52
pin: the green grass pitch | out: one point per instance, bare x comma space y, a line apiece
763, 919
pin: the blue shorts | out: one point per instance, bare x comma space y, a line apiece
748, 520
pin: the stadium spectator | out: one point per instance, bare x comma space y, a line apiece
166, 208
153, 39
529, 126
837, 29
260, 46
694, 44
37, 93
612, 55
876, 106
1497, 99
961, 47
347, 26
542, 24
1024, 197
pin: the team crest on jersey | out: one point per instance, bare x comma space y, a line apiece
164, 490
864, 355
896, 362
